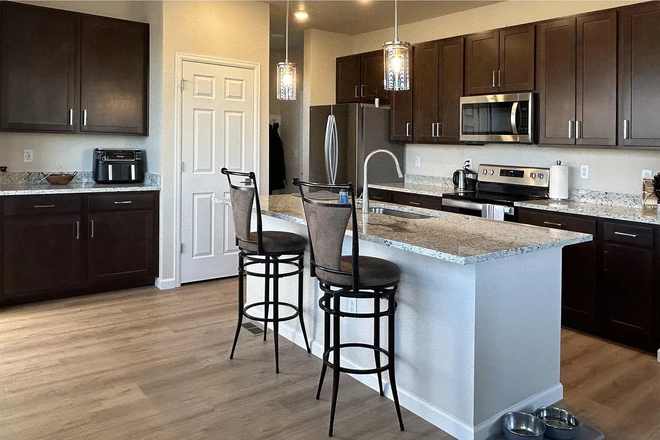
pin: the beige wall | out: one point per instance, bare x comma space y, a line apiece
232, 30
74, 151
610, 169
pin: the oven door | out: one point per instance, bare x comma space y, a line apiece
497, 118
476, 209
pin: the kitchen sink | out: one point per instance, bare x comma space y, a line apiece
397, 213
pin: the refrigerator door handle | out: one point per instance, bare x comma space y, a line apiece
331, 150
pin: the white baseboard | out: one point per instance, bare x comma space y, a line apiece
408, 400
545, 398
165, 284
658, 355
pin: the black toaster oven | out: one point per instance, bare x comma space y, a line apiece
118, 166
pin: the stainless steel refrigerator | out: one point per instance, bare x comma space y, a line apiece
360, 129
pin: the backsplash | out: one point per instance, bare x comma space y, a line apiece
37, 178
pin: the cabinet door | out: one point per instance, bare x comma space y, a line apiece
555, 76
627, 289
372, 83
348, 79
482, 62
425, 92
516, 72
401, 115
120, 246
450, 86
39, 68
41, 254
596, 79
639, 75
114, 72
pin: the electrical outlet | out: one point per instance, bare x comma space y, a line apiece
352, 305
28, 155
418, 161
468, 163
647, 174
584, 171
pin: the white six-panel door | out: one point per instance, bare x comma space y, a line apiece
218, 126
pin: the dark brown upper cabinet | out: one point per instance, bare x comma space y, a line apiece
39, 69
500, 61
114, 66
401, 114
639, 75
69, 72
360, 79
348, 79
576, 79
437, 89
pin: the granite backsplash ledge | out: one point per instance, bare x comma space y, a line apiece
37, 178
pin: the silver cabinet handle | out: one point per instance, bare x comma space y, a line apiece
415, 203
499, 78
433, 130
407, 129
84, 117
362, 91
493, 78
44, 206
559, 225
625, 234
124, 202
356, 91
578, 129
77, 230
626, 129
570, 129
439, 130
70, 116
91, 229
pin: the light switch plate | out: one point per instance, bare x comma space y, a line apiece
647, 174
28, 155
418, 161
584, 171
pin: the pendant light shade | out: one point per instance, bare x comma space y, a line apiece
396, 58
286, 71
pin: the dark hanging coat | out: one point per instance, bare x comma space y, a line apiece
276, 160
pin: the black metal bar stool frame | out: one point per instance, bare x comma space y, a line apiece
293, 261
330, 304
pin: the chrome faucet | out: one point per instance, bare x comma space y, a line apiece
365, 184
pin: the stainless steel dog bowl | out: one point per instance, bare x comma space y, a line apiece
519, 425
560, 424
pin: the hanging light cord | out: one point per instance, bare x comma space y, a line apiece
396, 21
286, 57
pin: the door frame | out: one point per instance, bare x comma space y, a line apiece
178, 135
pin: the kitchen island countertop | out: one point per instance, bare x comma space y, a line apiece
72, 188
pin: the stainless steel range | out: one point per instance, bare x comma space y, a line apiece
498, 188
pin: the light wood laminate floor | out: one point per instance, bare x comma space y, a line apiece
147, 364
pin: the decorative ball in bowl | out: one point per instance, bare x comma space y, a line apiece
59, 178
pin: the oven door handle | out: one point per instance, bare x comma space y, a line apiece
451, 203
514, 113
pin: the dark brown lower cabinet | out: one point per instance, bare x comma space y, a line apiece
64, 245
609, 286
42, 253
120, 245
417, 200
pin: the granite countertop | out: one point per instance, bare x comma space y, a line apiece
627, 213
415, 188
19, 189
447, 236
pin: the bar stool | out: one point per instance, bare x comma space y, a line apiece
270, 248
374, 279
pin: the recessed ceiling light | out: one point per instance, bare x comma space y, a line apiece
301, 14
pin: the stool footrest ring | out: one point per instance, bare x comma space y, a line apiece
270, 303
380, 369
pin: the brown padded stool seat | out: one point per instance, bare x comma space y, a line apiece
374, 272
275, 242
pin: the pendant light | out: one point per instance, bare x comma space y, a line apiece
286, 71
396, 57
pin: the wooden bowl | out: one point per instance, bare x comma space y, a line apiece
60, 179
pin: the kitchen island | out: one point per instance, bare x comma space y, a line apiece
478, 319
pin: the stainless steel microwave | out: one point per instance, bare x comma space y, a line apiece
498, 118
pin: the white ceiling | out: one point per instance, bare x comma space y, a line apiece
356, 17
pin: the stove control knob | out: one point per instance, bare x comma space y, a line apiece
491, 172
485, 171
541, 176
532, 175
